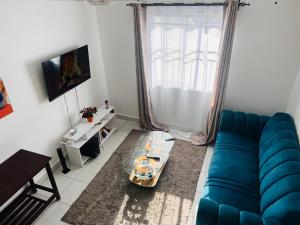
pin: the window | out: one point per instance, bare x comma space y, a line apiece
183, 46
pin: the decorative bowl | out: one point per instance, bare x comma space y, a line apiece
145, 168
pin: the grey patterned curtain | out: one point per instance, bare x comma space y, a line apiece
221, 76
147, 120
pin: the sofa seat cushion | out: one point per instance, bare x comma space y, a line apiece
232, 153
229, 180
237, 142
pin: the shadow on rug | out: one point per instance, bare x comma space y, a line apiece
111, 199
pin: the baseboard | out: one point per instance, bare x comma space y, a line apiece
127, 117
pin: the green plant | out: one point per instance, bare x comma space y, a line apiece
88, 112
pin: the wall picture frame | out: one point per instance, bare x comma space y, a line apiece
5, 104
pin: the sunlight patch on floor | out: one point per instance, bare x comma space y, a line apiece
163, 209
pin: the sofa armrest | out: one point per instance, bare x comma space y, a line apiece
212, 213
248, 124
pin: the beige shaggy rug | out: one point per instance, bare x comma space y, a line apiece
111, 199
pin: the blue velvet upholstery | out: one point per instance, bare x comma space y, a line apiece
254, 175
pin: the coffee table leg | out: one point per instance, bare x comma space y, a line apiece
52, 181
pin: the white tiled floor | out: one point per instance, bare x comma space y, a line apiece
200, 185
72, 184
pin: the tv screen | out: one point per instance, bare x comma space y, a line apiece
66, 71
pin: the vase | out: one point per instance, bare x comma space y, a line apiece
90, 119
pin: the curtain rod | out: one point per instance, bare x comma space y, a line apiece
241, 4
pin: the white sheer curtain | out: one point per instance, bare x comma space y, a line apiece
183, 46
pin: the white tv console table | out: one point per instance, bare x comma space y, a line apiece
85, 131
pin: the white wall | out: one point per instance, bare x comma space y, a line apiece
117, 36
32, 31
264, 61
265, 56
294, 103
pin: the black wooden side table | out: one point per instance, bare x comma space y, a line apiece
15, 173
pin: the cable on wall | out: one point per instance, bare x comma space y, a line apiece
79, 117
68, 112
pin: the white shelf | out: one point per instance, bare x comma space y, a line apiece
90, 133
84, 127
113, 129
85, 131
84, 158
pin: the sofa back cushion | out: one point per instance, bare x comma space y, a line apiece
279, 170
246, 124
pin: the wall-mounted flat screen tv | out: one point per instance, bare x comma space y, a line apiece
66, 71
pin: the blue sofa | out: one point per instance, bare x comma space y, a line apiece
254, 175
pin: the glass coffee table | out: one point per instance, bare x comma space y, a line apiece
145, 163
